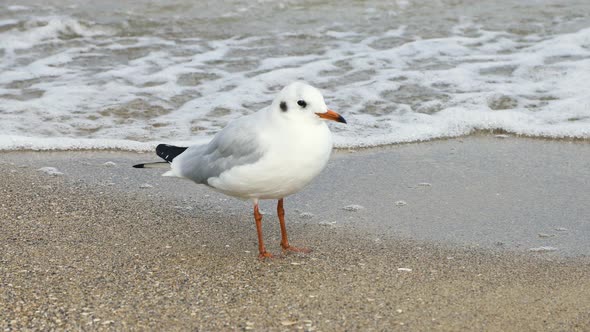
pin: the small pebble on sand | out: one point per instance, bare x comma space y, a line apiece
306, 215
146, 186
543, 249
404, 269
50, 171
109, 164
353, 207
401, 203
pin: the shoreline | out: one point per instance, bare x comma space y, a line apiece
95, 248
496, 133
506, 185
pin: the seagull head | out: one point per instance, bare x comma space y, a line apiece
301, 101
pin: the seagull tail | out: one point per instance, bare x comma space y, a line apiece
159, 164
166, 152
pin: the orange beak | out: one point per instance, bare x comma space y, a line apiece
331, 115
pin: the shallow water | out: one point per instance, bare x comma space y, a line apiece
106, 74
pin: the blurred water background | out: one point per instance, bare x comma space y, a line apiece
127, 74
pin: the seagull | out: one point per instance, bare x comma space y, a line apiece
270, 154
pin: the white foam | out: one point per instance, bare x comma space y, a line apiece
8, 22
45, 28
187, 89
15, 8
8, 142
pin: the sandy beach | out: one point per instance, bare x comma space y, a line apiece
477, 233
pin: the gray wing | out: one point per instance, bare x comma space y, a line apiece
237, 144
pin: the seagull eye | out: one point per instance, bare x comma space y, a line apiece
301, 103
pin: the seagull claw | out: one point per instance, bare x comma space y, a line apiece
265, 255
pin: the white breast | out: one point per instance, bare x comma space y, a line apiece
296, 153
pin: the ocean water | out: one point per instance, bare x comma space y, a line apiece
129, 74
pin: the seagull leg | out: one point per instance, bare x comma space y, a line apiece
261, 249
284, 240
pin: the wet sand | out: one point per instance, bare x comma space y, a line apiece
105, 246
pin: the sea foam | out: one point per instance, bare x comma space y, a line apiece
69, 83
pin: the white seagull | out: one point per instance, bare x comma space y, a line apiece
270, 154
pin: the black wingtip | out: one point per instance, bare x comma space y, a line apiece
138, 166
169, 152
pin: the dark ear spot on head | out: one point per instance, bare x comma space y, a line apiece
283, 106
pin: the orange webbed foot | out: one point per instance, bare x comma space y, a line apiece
265, 255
